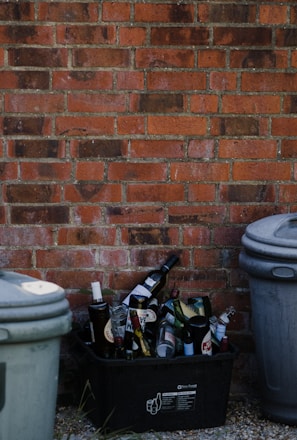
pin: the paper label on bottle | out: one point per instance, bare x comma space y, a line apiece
138, 290
206, 345
150, 281
142, 319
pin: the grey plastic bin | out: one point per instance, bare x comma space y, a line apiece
270, 259
34, 315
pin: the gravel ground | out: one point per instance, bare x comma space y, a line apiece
243, 422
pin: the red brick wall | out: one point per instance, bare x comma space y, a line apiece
134, 128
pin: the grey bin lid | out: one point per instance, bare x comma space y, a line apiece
274, 237
23, 298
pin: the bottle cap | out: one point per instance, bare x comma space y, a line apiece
96, 291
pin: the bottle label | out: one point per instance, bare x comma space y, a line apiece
206, 346
142, 313
150, 282
138, 290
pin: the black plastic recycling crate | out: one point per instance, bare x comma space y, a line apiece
155, 394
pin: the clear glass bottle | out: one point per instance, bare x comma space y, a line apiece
165, 346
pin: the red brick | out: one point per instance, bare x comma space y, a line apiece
176, 125
236, 126
45, 214
210, 58
294, 58
29, 126
204, 103
26, 34
39, 171
8, 171
242, 36
171, 81
101, 57
15, 258
223, 81
68, 12
180, 36
287, 192
113, 258
289, 148
154, 58
196, 235
172, 13
284, 126
243, 193
129, 80
136, 171
192, 214
244, 214
150, 236
156, 148
82, 34
86, 214
38, 57
226, 13
273, 14
32, 193
201, 148
26, 236
93, 192
40, 148
86, 125
73, 279
89, 171
206, 257
290, 104
227, 236
24, 79
34, 103
82, 236
65, 258
13, 11
254, 104
131, 124
156, 192
135, 214
268, 170
99, 148
259, 59
82, 80
1, 57
286, 37
197, 171
116, 11
132, 36
269, 82
201, 192
93, 103
157, 102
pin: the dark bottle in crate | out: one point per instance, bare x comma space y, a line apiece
145, 348
201, 334
99, 316
165, 346
154, 281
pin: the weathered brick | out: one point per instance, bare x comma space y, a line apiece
133, 124
199, 171
32, 193
273, 14
242, 36
287, 192
8, 171
243, 193
269, 82
78, 236
86, 214
201, 148
209, 214
130, 80
161, 236
73, 279
82, 34
65, 258
289, 148
101, 57
204, 103
245, 214
14, 11
201, 192
38, 171
34, 103
36, 148
247, 148
172, 13
284, 127
132, 36
226, 13
134, 214
15, 258
89, 171
119, 13
170, 81
113, 258
156, 103
26, 34
86, 125
236, 126
290, 104
93, 192
258, 59
68, 12
286, 37
93, 103
33, 126
137, 171
223, 81
210, 58
170, 58
51, 214
82, 80
26, 236
155, 192
226, 236
37, 57
24, 79
254, 104
100, 148
180, 36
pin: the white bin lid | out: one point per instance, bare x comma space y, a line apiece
23, 298
273, 236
